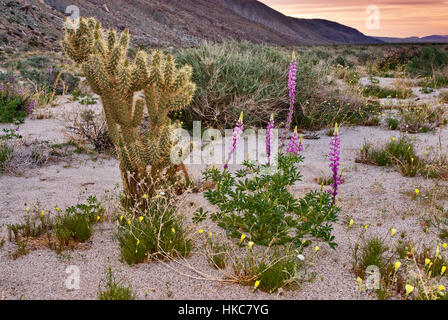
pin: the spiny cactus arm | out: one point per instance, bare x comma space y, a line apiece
152, 103
183, 76
140, 72
156, 72
111, 39
138, 113
78, 44
168, 72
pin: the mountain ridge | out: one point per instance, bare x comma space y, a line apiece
165, 23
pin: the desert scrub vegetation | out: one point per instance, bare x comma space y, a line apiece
416, 118
111, 288
259, 204
233, 77
57, 230
397, 152
153, 233
14, 104
406, 270
109, 73
380, 92
86, 127
46, 73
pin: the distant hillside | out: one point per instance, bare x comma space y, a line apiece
303, 31
428, 39
38, 23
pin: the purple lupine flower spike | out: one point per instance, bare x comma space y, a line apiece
30, 107
335, 146
295, 144
237, 133
292, 81
269, 129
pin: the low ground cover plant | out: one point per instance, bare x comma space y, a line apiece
407, 270
110, 288
156, 232
14, 105
397, 152
60, 230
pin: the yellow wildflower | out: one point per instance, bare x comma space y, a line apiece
257, 283
397, 265
409, 289
393, 232
351, 222
427, 262
43, 213
417, 192
365, 227
145, 196
200, 231
441, 288
251, 244
445, 245
138, 242
316, 249
57, 209
243, 236
98, 218
359, 280
442, 271
27, 209
140, 219
121, 218
173, 230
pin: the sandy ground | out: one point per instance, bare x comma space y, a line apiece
370, 195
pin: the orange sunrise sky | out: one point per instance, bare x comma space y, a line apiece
398, 18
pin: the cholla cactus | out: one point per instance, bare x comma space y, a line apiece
144, 154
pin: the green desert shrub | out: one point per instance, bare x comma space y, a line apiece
392, 123
421, 118
399, 153
112, 289
76, 223
370, 253
428, 61
69, 227
381, 92
257, 203
13, 104
232, 77
155, 233
271, 269
5, 154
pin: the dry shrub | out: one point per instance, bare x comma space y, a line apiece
88, 127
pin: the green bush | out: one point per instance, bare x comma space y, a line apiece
240, 76
257, 202
13, 106
272, 268
428, 61
77, 221
380, 92
155, 233
392, 123
399, 153
5, 154
112, 289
